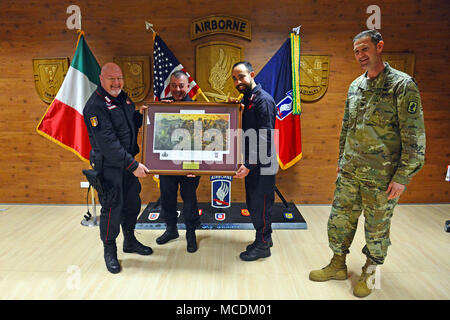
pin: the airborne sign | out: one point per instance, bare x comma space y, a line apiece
221, 24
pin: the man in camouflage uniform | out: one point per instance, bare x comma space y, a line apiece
381, 146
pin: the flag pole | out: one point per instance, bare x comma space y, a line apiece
203, 95
149, 26
89, 220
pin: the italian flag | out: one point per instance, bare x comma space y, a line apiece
63, 122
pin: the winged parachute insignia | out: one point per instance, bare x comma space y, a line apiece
220, 72
214, 62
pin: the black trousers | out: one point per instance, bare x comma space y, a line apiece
168, 186
260, 196
123, 204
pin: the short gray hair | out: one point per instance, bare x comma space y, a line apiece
177, 74
374, 36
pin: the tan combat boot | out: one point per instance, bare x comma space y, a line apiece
365, 284
336, 270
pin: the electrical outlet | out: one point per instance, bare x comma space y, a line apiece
84, 184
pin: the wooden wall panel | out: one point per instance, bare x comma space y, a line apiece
36, 170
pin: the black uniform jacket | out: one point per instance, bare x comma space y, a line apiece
113, 125
259, 113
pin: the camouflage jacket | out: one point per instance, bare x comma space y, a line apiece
383, 134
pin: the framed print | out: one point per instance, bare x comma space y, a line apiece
200, 138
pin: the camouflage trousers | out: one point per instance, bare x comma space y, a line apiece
351, 198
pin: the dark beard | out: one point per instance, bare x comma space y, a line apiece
247, 89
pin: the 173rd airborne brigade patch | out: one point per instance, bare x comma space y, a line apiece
412, 106
221, 191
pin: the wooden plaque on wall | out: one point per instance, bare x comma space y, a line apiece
213, 69
136, 76
401, 61
49, 74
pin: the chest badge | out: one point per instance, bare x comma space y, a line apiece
94, 121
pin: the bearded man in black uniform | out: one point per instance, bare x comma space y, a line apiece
260, 162
113, 125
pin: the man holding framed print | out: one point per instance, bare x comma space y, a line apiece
260, 162
179, 87
112, 124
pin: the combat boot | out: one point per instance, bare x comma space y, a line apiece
191, 240
254, 243
259, 250
132, 245
365, 284
110, 255
336, 270
170, 234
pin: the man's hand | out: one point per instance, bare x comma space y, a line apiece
235, 100
142, 109
242, 172
395, 190
166, 101
141, 171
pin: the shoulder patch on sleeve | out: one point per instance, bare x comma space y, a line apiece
412, 106
94, 121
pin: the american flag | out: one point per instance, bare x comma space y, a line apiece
164, 64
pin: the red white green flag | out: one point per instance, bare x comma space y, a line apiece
63, 121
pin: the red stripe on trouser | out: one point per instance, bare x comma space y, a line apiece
107, 228
264, 219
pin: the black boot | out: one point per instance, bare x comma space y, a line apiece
110, 255
250, 246
132, 245
170, 234
191, 240
260, 250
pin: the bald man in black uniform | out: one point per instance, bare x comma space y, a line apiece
113, 123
